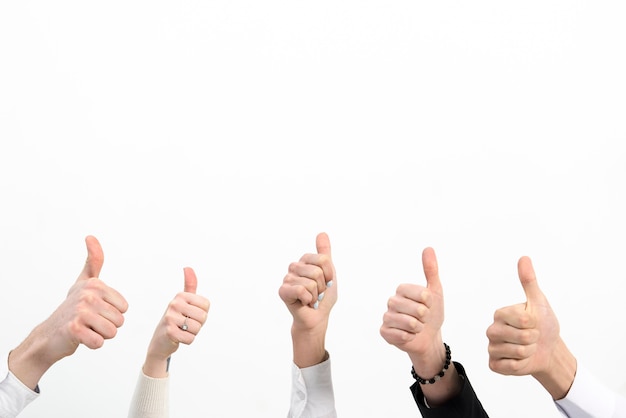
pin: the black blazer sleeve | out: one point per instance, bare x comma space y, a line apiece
464, 405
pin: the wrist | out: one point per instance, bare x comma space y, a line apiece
28, 361
429, 360
557, 379
156, 366
309, 347
439, 386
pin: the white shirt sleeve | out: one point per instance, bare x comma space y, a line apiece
151, 398
14, 395
588, 398
312, 393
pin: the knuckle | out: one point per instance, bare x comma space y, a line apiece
293, 266
526, 336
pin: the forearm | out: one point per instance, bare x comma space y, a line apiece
29, 361
558, 379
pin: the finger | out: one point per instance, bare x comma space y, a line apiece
111, 314
515, 316
414, 293
507, 366
115, 298
322, 243
323, 259
193, 326
184, 337
176, 334
88, 337
95, 259
403, 305
396, 336
528, 279
402, 322
95, 291
500, 333
188, 305
191, 310
97, 324
511, 351
198, 302
431, 270
191, 281
291, 294
303, 272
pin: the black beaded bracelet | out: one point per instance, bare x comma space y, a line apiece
439, 375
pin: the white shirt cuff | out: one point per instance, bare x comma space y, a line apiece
14, 396
588, 398
312, 393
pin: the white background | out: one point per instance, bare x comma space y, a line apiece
225, 135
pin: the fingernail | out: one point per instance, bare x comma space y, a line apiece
321, 296
329, 283
316, 305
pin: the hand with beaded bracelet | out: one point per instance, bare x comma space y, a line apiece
413, 323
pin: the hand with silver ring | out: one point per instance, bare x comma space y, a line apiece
169, 332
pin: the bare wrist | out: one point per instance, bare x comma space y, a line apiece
308, 347
156, 366
559, 376
28, 362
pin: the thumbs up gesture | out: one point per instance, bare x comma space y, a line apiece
184, 317
524, 339
309, 290
92, 311
413, 324
90, 314
415, 313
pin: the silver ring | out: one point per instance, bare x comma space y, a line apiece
185, 327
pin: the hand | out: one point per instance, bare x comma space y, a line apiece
415, 313
309, 291
524, 339
187, 310
90, 314
413, 323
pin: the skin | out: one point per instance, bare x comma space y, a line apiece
524, 339
187, 307
308, 278
413, 323
91, 313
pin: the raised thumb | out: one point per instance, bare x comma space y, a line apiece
528, 279
322, 243
191, 281
431, 270
95, 259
